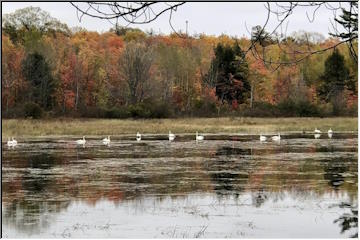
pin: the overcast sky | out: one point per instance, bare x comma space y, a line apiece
209, 18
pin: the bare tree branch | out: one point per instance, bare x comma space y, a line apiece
131, 12
145, 12
283, 11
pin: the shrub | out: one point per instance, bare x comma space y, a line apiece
139, 110
260, 109
151, 108
204, 108
224, 109
93, 112
13, 112
326, 109
306, 109
198, 103
339, 105
353, 110
114, 112
289, 108
33, 110
160, 110
286, 108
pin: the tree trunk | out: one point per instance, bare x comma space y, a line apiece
77, 95
7, 105
64, 99
251, 95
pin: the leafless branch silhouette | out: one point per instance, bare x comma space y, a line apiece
261, 37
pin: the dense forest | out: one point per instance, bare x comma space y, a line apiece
49, 70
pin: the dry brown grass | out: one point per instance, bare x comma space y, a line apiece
35, 128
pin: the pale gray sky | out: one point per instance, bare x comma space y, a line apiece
211, 18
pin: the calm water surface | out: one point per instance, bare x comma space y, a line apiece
236, 187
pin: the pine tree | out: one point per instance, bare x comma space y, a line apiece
349, 21
37, 71
335, 77
334, 81
229, 71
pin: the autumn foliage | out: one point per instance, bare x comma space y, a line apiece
123, 71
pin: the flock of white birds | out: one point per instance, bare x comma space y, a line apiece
276, 138
107, 141
12, 142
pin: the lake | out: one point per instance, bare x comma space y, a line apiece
223, 187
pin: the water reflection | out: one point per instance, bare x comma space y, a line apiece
259, 198
43, 180
349, 220
335, 172
31, 216
228, 170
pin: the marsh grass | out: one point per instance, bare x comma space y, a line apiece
38, 128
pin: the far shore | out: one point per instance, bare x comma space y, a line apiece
78, 127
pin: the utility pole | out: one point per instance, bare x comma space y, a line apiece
186, 28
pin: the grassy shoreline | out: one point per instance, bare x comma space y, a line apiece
54, 127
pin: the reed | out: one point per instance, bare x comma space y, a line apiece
80, 127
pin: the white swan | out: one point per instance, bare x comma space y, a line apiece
81, 141
330, 133
199, 137
138, 137
262, 138
106, 141
171, 136
11, 143
317, 130
276, 138
317, 135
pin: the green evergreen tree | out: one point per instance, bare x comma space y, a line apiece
349, 21
335, 77
37, 71
334, 81
229, 71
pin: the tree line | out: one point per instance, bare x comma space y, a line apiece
49, 70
